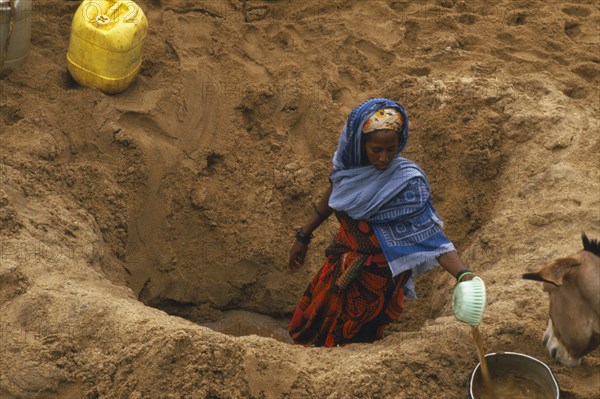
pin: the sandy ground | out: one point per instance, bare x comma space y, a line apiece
179, 197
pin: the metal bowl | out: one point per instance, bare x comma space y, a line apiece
522, 366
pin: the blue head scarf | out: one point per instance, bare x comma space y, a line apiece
396, 200
349, 153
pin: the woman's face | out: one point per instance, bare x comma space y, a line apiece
381, 147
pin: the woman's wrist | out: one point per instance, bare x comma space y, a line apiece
462, 274
303, 238
304, 234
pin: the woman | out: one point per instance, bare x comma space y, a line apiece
389, 231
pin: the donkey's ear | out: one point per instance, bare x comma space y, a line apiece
532, 276
553, 272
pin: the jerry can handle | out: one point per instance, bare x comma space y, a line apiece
128, 9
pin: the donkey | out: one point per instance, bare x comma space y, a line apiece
573, 284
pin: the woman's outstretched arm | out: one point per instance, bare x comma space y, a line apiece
320, 213
454, 265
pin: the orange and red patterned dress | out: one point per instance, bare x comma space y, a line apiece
353, 297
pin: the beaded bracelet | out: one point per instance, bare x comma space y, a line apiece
303, 238
463, 273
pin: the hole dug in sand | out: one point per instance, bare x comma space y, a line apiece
211, 233
240, 322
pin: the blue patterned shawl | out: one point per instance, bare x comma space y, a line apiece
396, 201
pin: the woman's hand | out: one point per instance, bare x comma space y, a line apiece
297, 255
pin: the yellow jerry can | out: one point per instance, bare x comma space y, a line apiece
105, 48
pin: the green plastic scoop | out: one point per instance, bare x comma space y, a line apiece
468, 302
